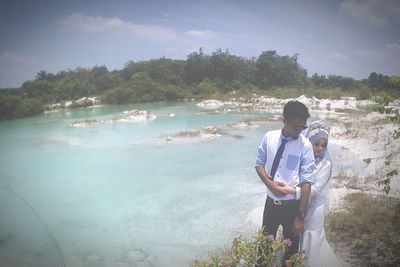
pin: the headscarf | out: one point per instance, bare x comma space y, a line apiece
316, 131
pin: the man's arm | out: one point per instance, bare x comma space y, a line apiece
306, 177
305, 194
262, 173
298, 224
275, 187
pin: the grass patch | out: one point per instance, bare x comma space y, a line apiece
368, 232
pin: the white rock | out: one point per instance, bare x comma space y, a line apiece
210, 104
68, 104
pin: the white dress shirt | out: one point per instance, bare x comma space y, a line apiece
296, 165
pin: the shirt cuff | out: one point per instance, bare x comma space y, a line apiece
260, 163
298, 192
306, 179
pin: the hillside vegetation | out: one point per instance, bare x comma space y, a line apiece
200, 76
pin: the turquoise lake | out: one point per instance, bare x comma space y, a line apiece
120, 194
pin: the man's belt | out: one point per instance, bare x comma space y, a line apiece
281, 202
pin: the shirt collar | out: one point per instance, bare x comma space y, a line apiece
283, 137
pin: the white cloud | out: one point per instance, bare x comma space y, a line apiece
201, 35
16, 59
362, 11
338, 56
393, 47
370, 53
376, 13
81, 22
193, 40
388, 53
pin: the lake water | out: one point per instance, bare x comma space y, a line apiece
119, 194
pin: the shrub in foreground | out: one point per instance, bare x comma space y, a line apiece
248, 253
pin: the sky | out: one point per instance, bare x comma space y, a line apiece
342, 37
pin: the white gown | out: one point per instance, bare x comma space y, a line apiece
313, 236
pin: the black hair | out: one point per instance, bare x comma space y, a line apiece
295, 109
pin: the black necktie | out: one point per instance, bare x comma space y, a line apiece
277, 158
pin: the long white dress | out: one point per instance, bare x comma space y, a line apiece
313, 236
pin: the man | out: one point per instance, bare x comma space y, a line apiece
293, 166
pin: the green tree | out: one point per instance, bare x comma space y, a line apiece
40, 89
224, 67
345, 83
163, 70
393, 115
275, 70
8, 106
117, 95
377, 81
318, 80
198, 67
44, 75
394, 82
206, 87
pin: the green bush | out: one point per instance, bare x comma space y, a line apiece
117, 95
12, 106
262, 250
369, 228
206, 87
364, 93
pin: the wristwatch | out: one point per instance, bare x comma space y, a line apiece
301, 215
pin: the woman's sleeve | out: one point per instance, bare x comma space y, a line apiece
321, 179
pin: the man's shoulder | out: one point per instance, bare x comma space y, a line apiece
303, 144
273, 133
304, 140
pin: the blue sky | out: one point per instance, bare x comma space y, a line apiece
343, 37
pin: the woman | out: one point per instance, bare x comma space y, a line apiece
313, 236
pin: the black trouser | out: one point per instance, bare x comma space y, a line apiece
284, 214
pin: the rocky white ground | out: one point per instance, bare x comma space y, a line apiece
357, 137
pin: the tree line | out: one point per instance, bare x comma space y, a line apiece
199, 76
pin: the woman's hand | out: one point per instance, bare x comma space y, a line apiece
298, 226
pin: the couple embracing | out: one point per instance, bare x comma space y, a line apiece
296, 170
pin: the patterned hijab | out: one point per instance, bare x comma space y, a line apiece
316, 131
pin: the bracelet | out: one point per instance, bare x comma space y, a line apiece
301, 215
